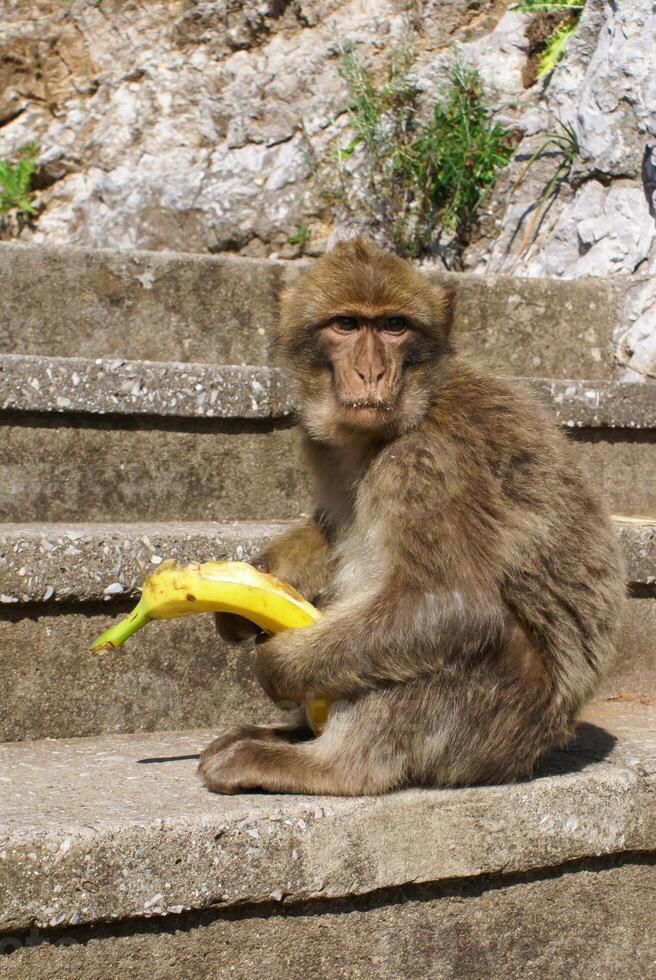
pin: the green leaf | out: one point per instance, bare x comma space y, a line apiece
555, 48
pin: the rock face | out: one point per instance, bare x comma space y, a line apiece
598, 223
180, 124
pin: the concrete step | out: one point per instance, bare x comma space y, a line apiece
131, 440
114, 861
62, 585
95, 440
168, 306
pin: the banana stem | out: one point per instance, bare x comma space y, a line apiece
116, 635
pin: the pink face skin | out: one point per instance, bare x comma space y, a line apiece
367, 358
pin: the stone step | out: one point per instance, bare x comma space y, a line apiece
109, 439
120, 387
114, 840
64, 563
63, 585
125, 388
168, 306
131, 440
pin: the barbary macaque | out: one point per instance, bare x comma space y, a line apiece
470, 578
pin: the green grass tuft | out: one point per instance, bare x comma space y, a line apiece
15, 181
300, 237
414, 175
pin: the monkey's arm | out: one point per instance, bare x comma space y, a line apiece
300, 557
438, 600
368, 643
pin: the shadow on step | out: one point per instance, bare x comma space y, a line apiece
590, 744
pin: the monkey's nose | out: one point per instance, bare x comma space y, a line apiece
370, 378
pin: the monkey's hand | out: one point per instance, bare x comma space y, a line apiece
314, 662
236, 629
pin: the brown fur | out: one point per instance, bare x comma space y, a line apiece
471, 578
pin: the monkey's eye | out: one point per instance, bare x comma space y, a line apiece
346, 323
395, 324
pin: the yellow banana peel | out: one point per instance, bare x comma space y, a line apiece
219, 586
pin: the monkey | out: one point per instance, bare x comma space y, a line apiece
469, 575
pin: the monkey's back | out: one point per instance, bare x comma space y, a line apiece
560, 569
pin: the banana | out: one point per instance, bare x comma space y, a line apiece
218, 586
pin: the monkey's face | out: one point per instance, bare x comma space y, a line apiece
367, 359
363, 334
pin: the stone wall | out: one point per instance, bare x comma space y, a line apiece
178, 124
598, 223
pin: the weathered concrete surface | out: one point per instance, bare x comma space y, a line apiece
74, 385
97, 468
583, 922
621, 463
599, 404
30, 383
94, 562
172, 675
120, 827
157, 306
179, 675
68, 469
639, 542
632, 675
535, 326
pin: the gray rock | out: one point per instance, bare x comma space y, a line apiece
179, 126
599, 224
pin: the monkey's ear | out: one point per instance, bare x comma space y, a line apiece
448, 296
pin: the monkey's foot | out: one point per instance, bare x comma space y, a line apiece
228, 764
274, 764
289, 733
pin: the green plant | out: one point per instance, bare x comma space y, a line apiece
565, 147
555, 47
300, 237
546, 6
15, 180
556, 41
460, 150
414, 173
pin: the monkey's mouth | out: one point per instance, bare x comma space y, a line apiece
367, 412
376, 406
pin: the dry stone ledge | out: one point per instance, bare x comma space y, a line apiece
92, 562
164, 306
74, 385
123, 387
120, 826
599, 404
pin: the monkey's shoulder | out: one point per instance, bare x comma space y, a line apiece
482, 435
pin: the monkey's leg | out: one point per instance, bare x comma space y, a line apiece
295, 731
348, 759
